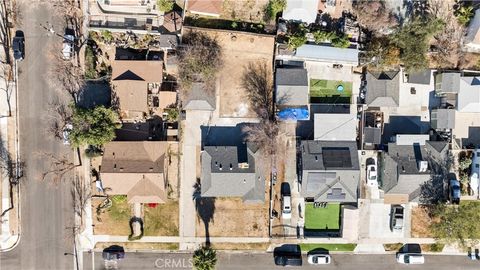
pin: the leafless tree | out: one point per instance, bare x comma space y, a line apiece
81, 194
5, 30
257, 79
6, 75
448, 41
59, 168
59, 115
374, 16
268, 137
200, 58
67, 76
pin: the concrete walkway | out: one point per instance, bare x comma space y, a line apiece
177, 239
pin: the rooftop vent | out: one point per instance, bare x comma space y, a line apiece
243, 165
220, 166
231, 168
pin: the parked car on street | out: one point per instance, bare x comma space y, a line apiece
396, 218
410, 258
68, 41
319, 259
18, 45
372, 175
454, 191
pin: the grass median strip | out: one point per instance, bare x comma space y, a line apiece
329, 247
240, 246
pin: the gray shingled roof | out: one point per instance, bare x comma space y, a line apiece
200, 99
383, 89
400, 173
443, 119
447, 82
330, 170
372, 135
230, 171
420, 77
291, 86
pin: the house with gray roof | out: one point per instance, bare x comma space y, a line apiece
407, 166
301, 11
330, 171
383, 89
442, 119
291, 87
465, 88
232, 171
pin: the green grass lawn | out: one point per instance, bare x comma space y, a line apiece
329, 247
322, 218
327, 88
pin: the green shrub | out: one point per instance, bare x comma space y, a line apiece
90, 63
296, 40
107, 36
274, 7
165, 5
322, 36
341, 42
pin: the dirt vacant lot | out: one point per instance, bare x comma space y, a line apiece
232, 218
238, 50
421, 222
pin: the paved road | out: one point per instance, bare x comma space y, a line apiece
264, 261
45, 209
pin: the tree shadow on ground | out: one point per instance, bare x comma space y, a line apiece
205, 207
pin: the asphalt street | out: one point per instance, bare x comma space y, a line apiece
46, 209
242, 261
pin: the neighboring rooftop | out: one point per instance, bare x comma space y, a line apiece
135, 169
335, 127
442, 119
200, 98
205, 7
330, 171
301, 11
447, 82
468, 98
420, 77
327, 54
383, 89
372, 135
407, 167
291, 86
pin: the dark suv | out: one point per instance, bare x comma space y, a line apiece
288, 260
18, 45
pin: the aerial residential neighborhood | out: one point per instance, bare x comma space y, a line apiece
240, 134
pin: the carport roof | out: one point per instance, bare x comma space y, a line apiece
328, 54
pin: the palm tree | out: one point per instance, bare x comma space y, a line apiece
204, 258
464, 14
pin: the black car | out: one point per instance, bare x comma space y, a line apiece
114, 252
288, 260
285, 189
18, 45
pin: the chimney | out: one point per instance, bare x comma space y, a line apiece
422, 166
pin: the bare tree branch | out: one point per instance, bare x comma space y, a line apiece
59, 168
257, 80
81, 193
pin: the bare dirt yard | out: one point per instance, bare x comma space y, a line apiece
230, 217
239, 49
248, 10
421, 222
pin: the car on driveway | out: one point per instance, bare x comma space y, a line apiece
68, 42
454, 191
319, 259
286, 200
18, 45
396, 218
66, 134
410, 258
372, 172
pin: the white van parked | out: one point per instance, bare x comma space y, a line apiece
287, 207
410, 258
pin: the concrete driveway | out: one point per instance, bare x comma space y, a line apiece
379, 224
